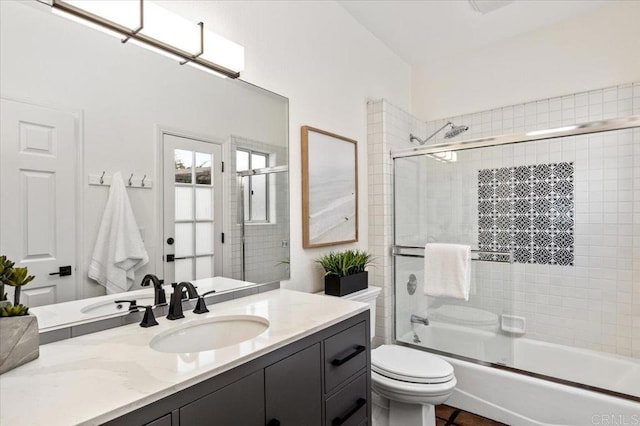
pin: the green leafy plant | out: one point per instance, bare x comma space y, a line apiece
6, 267
344, 263
14, 310
16, 278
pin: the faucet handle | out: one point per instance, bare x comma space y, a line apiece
201, 306
148, 320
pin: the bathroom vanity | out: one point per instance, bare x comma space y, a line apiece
310, 366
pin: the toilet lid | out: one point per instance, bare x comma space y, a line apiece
410, 365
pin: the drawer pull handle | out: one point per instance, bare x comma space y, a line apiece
274, 422
339, 361
341, 420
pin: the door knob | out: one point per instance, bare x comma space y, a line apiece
170, 241
63, 271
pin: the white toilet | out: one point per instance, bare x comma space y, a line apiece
412, 381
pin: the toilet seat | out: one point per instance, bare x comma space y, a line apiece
412, 393
410, 365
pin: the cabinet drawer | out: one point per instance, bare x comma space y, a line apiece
344, 355
348, 407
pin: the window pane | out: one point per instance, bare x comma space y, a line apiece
204, 267
259, 198
184, 239
184, 270
204, 238
203, 168
184, 165
258, 161
242, 160
204, 203
184, 203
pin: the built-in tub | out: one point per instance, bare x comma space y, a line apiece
518, 399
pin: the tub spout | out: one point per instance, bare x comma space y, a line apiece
415, 319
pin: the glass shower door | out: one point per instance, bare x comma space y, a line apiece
433, 203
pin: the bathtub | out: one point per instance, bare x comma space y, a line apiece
519, 399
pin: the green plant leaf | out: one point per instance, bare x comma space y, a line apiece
18, 277
14, 311
347, 262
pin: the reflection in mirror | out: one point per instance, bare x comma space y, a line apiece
79, 106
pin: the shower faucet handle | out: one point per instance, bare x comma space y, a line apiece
415, 319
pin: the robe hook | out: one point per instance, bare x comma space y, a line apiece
130, 177
102, 178
143, 178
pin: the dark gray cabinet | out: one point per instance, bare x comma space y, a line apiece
293, 389
322, 379
240, 403
162, 421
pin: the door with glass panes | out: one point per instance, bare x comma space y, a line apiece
193, 237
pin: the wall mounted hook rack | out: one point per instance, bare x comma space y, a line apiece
104, 179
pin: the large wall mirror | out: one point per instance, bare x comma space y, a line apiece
78, 106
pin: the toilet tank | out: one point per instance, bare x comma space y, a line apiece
368, 295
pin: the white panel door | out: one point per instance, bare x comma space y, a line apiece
38, 197
192, 192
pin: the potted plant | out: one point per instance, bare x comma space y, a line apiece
344, 271
18, 330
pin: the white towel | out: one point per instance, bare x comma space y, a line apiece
447, 270
119, 248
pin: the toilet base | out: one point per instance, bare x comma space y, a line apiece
401, 414
387, 412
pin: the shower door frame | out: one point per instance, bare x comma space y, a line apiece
599, 126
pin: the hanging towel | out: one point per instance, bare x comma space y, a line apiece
447, 270
119, 249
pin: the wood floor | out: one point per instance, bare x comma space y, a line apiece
450, 416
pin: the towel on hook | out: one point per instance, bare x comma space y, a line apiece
447, 270
119, 249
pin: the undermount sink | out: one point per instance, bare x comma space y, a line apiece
110, 307
210, 334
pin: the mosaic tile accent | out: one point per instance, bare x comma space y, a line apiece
528, 210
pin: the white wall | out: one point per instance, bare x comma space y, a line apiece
328, 65
595, 50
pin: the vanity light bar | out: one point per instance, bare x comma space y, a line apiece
187, 57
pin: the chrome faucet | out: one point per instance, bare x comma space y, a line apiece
160, 298
175, 305
415, 319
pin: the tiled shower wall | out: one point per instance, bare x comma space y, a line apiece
596, 302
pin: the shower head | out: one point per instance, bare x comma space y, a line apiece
455, 131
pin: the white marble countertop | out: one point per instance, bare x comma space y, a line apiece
51, 317
98, 377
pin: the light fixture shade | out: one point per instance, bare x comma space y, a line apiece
122, 12
222, 51
169, 28
150, 25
